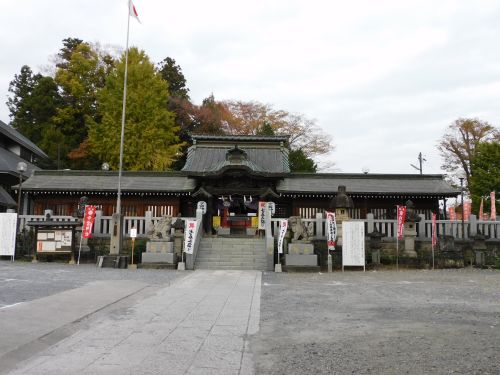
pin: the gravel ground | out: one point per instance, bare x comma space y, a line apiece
21, 282
386, 322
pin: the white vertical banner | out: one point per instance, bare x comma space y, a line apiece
331, 230
202, 205
281, 238
271, 206
353, 243
262, 215
8, 224
189, 236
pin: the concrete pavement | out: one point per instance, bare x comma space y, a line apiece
198, 325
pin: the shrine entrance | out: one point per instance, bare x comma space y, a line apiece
235, 214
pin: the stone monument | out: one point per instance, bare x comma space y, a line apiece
301, 249
410, 232
160, 247
178, 229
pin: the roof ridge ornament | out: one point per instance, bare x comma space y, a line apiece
236, 155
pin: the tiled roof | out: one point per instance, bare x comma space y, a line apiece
5, 199
240, 138
17, 137
108, 181
366, 184
8, 163
261, 160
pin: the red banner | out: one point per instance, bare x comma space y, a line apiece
451, 213
467, 210
401, 221
481, 210
88, 221
434, 232
493, 215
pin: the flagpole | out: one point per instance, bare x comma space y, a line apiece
118, 200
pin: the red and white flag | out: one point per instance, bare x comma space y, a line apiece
132, 11
331, 230
401, 220
493, 215
434, 231
88, 221
481, 210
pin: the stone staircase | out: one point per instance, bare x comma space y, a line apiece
231, 253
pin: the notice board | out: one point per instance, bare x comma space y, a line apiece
353, 243
8, 224
54, 240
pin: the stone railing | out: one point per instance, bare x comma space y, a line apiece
491, 229
102, 224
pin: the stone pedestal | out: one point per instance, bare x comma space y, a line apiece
301, 253
410, 235
159, 246
178, 241
223, 231
159, 251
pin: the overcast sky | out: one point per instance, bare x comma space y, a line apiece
383, 78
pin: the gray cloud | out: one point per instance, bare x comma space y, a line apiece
383, 78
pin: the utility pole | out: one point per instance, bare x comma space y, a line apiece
420, 161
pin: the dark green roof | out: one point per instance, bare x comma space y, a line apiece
323, 183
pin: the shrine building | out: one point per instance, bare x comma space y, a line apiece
232, 174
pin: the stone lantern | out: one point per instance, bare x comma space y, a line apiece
341, 203
178, 227
375, 245
479, 247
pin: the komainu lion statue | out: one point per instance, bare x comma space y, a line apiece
299, 229
160, 230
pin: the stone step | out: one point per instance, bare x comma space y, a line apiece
227, 260
231, 253
228, 267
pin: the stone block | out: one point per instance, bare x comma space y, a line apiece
159, 246
178, 240
297, 248
221, 231
301, 260
159, 258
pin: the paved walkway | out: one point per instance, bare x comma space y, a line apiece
199, 325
